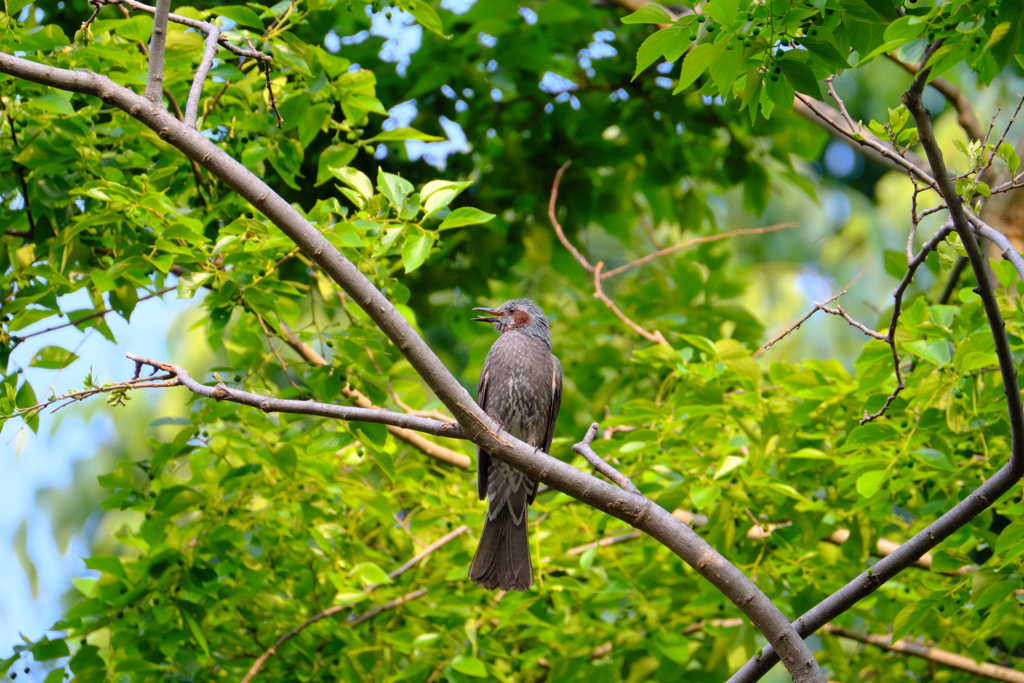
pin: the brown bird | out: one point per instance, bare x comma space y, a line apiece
521, 389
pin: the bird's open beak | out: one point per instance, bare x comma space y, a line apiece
489, 311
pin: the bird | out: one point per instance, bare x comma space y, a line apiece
521, 389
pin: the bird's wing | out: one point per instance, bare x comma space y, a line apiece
483, 460
556, 402
552, 416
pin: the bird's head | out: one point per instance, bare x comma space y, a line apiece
517, 314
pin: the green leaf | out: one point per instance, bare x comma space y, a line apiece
465, 216
52, 358
337, 155
400, 134
696, 63
46, 38
869, 482
50, 649
394, 188
935, 352
674, 646
355, 179
106, 563
800, 76
425, 15
57, 102
471, 666
197, 632
368, 574
649, 14
416, 249
587, 558
666, 41
909, 617
933, 458
241, 15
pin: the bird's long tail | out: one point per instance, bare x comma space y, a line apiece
502, 559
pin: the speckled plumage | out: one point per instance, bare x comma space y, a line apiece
521, 388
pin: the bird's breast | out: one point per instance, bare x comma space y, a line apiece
519, 392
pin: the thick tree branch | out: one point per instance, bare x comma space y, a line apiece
157, 43
477, 425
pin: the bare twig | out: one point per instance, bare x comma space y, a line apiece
599, 294
817, 307
157, 43
329, 612
890, 337
426, 552
552, 204
584, 448
690, 243
196, 93
85, 318
365, 616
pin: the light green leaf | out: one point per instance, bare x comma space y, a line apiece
355, 179
869, 482
464, 216
416, 249
649, 14
52, 358
400, 134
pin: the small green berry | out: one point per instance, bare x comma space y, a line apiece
701, 18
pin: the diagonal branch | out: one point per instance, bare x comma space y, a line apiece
476, 424
157, 45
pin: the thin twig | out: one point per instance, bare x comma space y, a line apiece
168, 380
196, 93
157, 43
817, 307
890, 337
552, 203
453, 534
700, 240
329, 612
425, 446
98, 314
583, 448
599, 294
365, 616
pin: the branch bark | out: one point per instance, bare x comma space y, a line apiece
196, 93
157, 43
478, 426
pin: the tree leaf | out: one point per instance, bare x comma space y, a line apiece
464, 215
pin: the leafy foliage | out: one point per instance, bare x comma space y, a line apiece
237, 526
